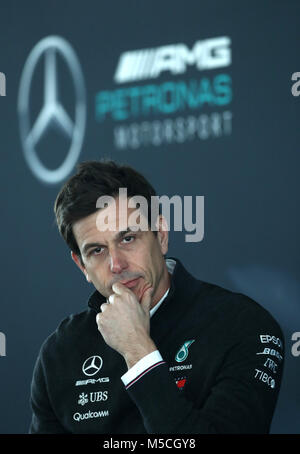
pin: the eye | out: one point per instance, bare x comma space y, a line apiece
97, 251
128, 239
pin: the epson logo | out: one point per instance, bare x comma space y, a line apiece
150, 63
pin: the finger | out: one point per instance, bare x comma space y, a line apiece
118, 288
104, 306
147, 299
111, 298
98, 319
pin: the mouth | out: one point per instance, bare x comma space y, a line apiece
130, 284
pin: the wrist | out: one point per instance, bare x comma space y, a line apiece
138, 352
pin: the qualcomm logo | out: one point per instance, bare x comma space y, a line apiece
92, 365
52, 112
149, 63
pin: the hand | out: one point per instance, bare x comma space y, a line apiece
125, 323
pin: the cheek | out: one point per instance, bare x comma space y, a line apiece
98, 278
143, 263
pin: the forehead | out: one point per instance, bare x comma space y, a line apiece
106, 222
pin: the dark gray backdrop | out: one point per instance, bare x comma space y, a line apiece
249, 177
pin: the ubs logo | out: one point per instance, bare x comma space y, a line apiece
97, 396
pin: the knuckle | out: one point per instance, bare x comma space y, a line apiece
103, 307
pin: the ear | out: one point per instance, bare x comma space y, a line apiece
77, 260
162, 233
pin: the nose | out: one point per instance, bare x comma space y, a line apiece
118, 262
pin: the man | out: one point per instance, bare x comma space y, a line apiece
156, 351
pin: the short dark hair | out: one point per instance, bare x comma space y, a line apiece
78, 196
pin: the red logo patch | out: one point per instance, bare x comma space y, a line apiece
180, 383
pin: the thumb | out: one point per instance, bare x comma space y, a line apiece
147, 299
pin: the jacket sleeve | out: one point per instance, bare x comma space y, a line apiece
243, 395
44, 420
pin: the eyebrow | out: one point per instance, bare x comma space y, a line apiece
117, 237
89, 246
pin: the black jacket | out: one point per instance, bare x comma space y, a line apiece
221, 371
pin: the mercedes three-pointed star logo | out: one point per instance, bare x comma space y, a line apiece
92, 365
52, 112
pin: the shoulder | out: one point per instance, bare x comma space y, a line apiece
235, 309
222, 308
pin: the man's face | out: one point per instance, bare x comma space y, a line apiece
119, 254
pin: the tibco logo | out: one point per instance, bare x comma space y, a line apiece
150, 63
